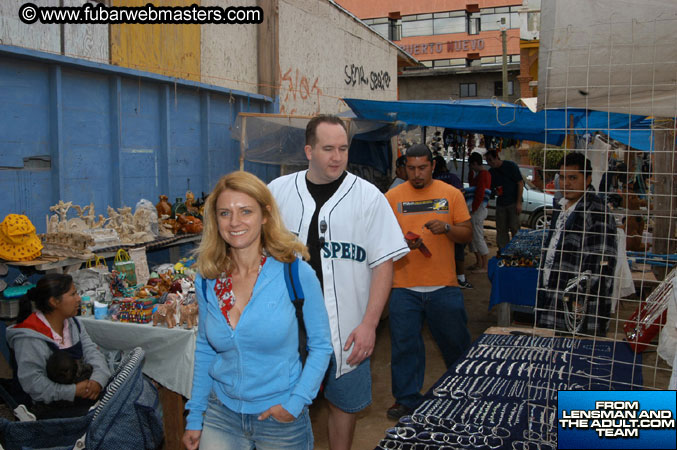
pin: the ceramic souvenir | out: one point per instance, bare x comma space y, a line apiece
165, 314
163, 207
188, 315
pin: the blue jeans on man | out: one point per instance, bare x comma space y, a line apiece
445, 314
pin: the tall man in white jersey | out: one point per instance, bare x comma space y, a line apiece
353, 237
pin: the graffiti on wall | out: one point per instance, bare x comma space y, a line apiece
355, 76
297, 87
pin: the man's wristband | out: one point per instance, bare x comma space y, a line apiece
447, 227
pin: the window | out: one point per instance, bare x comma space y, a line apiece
448, 25
388, 28
417, 25
455, 62
491, 18
498, 60
468, 90
493, 21
474, 26
449, 22
381, 28
395, 30
498, 88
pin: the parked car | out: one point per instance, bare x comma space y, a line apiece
536, 204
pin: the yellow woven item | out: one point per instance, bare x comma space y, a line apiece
18, 240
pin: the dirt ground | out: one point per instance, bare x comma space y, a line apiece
372, 422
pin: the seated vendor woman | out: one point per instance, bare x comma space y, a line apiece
52, 351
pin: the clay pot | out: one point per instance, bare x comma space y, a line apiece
163, 206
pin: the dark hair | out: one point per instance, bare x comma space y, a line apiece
420, 150
440, 165
51, 285
492, 153
311, 128
401, 161
576, 159
475, 157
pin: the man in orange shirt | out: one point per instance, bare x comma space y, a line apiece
434, 216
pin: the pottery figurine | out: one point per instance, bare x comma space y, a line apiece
163, 206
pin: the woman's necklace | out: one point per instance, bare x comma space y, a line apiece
224, 291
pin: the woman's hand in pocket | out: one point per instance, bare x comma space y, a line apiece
279, 413
191, 439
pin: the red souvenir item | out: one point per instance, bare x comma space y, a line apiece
650, 316
412, 237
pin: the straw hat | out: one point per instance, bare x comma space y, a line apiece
18, 241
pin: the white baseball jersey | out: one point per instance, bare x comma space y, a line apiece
361, 233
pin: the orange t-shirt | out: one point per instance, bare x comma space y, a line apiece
413, 208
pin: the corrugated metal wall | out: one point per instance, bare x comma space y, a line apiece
110, 135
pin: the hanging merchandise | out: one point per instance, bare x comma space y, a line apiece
18, 241
138, 256
649, 317
126, 267
92, 278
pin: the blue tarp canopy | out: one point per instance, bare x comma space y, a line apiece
497, 118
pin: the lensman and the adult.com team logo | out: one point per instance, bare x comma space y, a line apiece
616, 419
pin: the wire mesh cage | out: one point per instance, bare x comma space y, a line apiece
607, 274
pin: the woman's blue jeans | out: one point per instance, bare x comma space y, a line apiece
224, 429
445, 314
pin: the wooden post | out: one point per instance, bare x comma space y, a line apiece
243, 136
172, 417
268, 48
665, 191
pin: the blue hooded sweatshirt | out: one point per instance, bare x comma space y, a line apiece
257, 365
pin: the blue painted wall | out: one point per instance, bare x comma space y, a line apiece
111, 135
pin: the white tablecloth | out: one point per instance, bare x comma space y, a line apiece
169, 352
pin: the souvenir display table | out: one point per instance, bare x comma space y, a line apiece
514, 285
511, 286
503, 393
168, 361
169, 351
514, 274
68, 265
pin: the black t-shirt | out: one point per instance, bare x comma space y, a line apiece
504, 180
320, 193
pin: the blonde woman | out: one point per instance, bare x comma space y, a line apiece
250, 389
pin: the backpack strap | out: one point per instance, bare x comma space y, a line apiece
204, 289
291, 278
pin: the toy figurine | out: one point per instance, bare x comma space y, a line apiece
163, 207
165, 314
189, 315
187, 224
